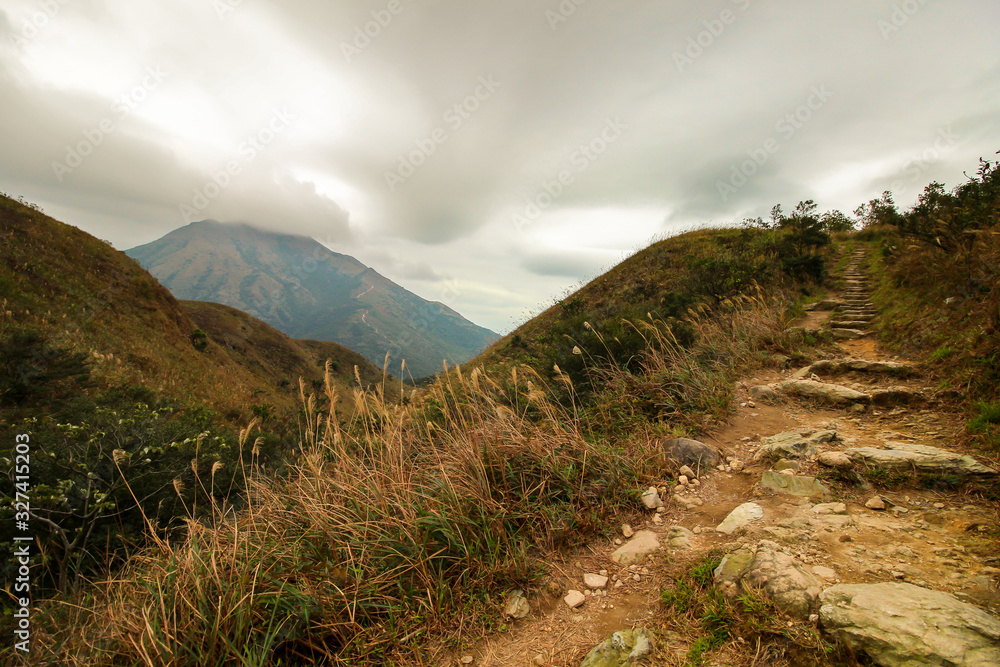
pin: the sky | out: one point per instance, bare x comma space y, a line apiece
490, 155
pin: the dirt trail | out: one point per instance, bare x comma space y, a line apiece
932, 538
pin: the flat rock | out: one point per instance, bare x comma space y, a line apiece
679, 538
574, 599
740, 518
792, 445
797, 485
694, 454
794, 589
910, 456
641, 545
902, 625
624, 647
831, 393
848, 334
834, 460
875, 503
595, 581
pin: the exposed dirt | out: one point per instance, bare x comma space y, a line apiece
937, 538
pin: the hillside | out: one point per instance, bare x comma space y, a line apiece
92, 299
307, 291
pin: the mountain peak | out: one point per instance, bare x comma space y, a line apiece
302, 288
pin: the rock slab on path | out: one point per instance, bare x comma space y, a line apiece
643, 543
624, 647
802, 486
832, 393
740, 518
902, 625
909, 456
793, 444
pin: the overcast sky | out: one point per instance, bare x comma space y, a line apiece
501, 151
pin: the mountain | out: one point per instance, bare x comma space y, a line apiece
304, 289
82, 295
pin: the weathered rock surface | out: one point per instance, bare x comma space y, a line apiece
517, 605
696, 455
764, 393
624, 647
802, 486
595, 581
732, 567
740, 518
785, 580
848, 334
910, 456
679, 538
792, 445
834, 460
574, 599
643, 543
902, 625
831, 393
651, 498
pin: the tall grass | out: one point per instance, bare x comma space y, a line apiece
406, 522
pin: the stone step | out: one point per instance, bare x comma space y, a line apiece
849, 324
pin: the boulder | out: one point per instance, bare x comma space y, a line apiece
786, 581
924, 458
792, 445
642, 544
625, 647
694, 454
740, 518
902, 625
831, 393
765, 393
802, 486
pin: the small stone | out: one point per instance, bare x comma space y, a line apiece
627, 530
618, 541
636, 577
687, 472
683, 480
651, 498
595, 581
517, 605
741, 517
619, 583
736, 465
539, 660
939, 506
875, 503
695, 482
789, 472
697, 530
467, 659
657, 519
574, 599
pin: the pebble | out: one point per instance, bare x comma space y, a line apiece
687, 472
574, 599
467, 659
627, 530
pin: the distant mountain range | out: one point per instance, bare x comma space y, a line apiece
302, 288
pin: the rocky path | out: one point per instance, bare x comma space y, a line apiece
796, 492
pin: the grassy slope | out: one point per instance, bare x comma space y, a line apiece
94, 299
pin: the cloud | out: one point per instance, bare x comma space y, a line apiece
478, 109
